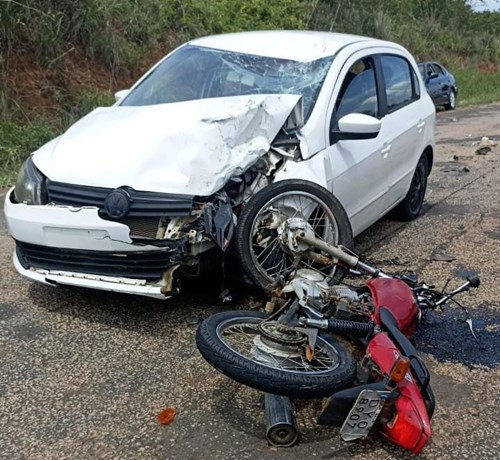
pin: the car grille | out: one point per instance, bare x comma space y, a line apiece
143, 204
141, 227
148, 265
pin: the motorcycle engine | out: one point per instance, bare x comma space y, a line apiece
349, 303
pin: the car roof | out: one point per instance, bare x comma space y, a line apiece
302, 46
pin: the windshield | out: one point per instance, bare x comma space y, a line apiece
421, 67
195, 72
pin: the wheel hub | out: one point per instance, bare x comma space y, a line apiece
287, 233
280, 334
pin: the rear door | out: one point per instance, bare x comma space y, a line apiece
403, 127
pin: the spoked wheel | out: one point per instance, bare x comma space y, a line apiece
271, 360
263, 220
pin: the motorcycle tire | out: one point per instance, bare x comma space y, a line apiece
327, 205
303, 384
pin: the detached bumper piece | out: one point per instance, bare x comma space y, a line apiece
147, 265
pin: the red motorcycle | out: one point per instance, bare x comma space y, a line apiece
291, 350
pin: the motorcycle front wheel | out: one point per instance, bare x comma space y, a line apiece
258, 243
234, 343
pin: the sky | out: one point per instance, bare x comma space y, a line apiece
485, 5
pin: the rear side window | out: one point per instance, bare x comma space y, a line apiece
401, 86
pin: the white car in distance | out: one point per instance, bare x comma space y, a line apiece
218, 148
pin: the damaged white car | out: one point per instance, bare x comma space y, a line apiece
224, 146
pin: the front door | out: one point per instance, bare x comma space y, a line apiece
356, 167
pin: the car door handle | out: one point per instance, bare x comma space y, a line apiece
420, 126
385, 150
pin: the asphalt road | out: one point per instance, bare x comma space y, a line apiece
84, 374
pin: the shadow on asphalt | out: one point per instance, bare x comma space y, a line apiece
140, 314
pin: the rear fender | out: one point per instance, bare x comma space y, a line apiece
410, 428
337, 407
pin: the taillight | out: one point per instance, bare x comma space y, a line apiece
408, 429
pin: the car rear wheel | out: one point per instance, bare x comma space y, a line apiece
411, 207
452, 100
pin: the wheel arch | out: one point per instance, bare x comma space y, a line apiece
429, 154
303, 170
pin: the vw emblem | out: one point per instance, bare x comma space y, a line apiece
117, 203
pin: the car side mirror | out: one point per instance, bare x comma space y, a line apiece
121, 94
354, 126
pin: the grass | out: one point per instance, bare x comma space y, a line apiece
18, 141
476, 87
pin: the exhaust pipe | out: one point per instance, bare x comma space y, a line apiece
280, 419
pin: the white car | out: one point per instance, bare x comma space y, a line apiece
216, 150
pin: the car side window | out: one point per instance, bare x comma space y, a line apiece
400, 86
358, 93
438, 69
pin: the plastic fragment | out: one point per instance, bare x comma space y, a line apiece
166, 417
483, 150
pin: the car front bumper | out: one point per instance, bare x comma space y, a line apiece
74, 246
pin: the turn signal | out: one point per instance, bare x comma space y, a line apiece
400, 369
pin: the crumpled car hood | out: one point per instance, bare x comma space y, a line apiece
190, 147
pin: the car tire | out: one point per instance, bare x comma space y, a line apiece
249, 238
411, 207
452, 100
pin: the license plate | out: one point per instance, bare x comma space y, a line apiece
362, 415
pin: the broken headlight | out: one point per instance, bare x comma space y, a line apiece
30, 187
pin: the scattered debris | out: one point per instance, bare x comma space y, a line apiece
487, 142
450, 167
443, 257
483, 150
166, 417
453, 119
455, 157
226, 297
194, 321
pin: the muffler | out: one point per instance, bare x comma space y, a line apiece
280, 419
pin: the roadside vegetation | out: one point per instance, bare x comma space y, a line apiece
61, 58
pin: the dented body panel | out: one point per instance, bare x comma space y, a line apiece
190, 147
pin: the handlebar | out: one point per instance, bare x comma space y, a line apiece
428, 297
